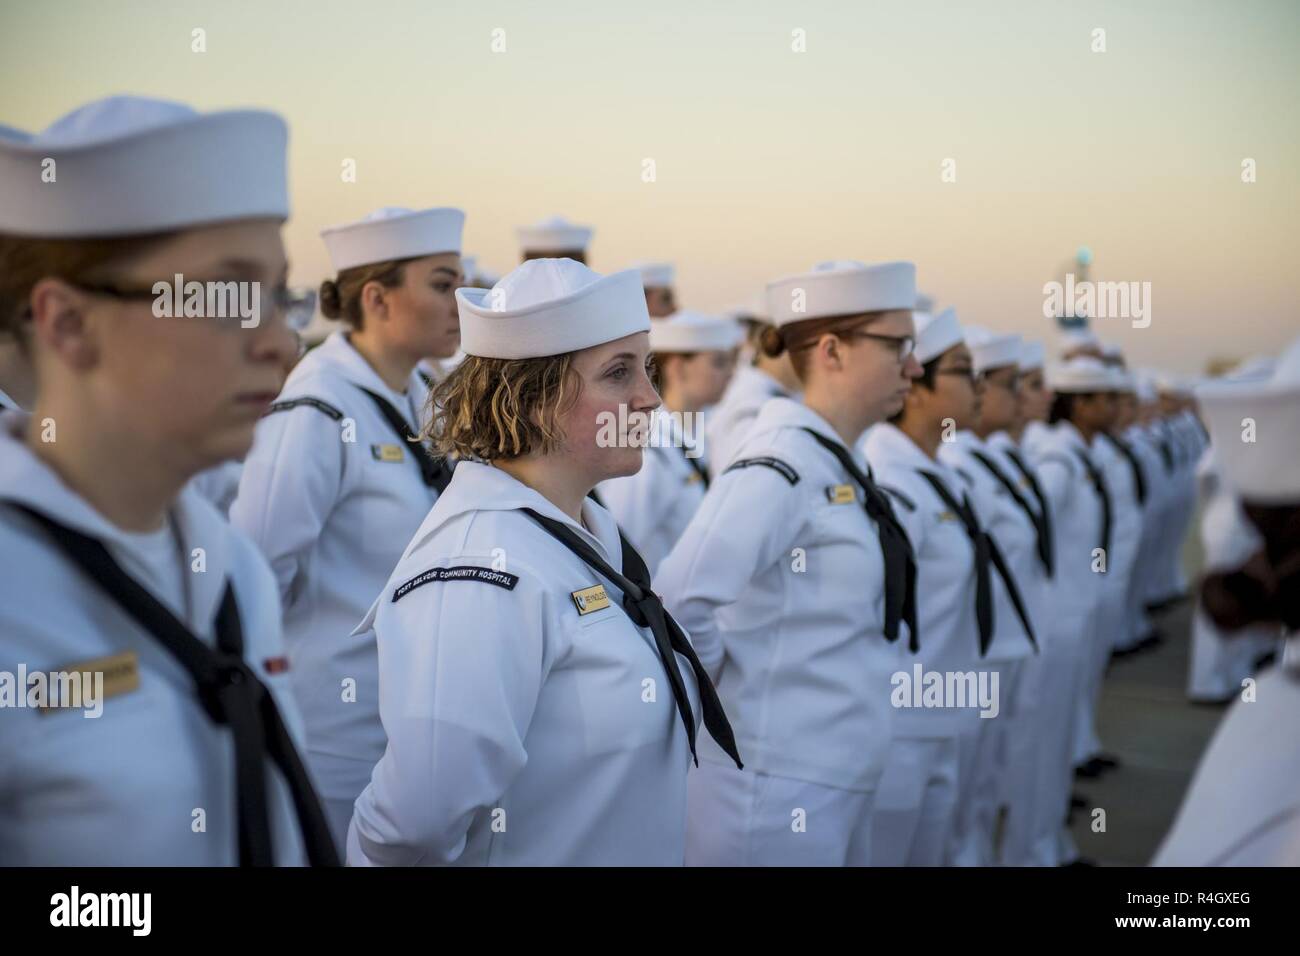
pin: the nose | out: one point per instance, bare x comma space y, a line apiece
274, 342
646, 398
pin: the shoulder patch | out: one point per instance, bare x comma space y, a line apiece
902, 499
470, 572
776, 464
308, 401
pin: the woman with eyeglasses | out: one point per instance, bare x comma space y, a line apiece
156, 725
795, 579
1007, 745
337, 481
929, 775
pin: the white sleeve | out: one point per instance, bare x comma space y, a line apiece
748, 520
461, 665
291, 481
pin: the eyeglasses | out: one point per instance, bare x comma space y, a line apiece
902, 345
965, 372
298, 305
1011, 384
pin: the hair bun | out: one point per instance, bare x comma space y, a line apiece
771, 341
331, 305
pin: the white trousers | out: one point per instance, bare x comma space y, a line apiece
916, 805
742, 818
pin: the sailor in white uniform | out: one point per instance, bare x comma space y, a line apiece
694, 355
1076, 492
552, 238
657, 278
798, 582
1243, 806
337, 482
1126, 485
928, 806
145, 713
541, 707
754, 382
1006, 758
1031, 837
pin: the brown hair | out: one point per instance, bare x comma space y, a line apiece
490, 408
25, 261
340, 297
796, 337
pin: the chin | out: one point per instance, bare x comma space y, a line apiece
626, 462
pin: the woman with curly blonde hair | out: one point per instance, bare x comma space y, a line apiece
540, 705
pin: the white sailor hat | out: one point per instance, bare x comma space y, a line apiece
129, 165
842, 288
393, 232
549, 307
1078, 340
555, 234
936, 334
1033, 354
14, 134
990, 350
686, 331
656, 275
1259, 462
1081, 374
924, 303
1122, 380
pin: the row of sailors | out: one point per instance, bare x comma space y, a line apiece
515, 691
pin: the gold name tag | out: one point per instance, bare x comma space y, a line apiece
388, 452
120, 675
590, 599
840, 494
694, 477
947, 516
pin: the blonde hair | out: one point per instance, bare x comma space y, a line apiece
490, 408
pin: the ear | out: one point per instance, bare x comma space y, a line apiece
374, 300
829, 351
60, 323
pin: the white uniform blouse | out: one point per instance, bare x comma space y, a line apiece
945, 571
779, 578
521, 731
151, 781
331, 496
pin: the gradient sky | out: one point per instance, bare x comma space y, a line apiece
767, 160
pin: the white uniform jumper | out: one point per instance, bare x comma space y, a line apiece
917, 805
1079, 529
1003, 749
151, 781
654, 506
780, 579
729, 420
530, 722
332, 494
